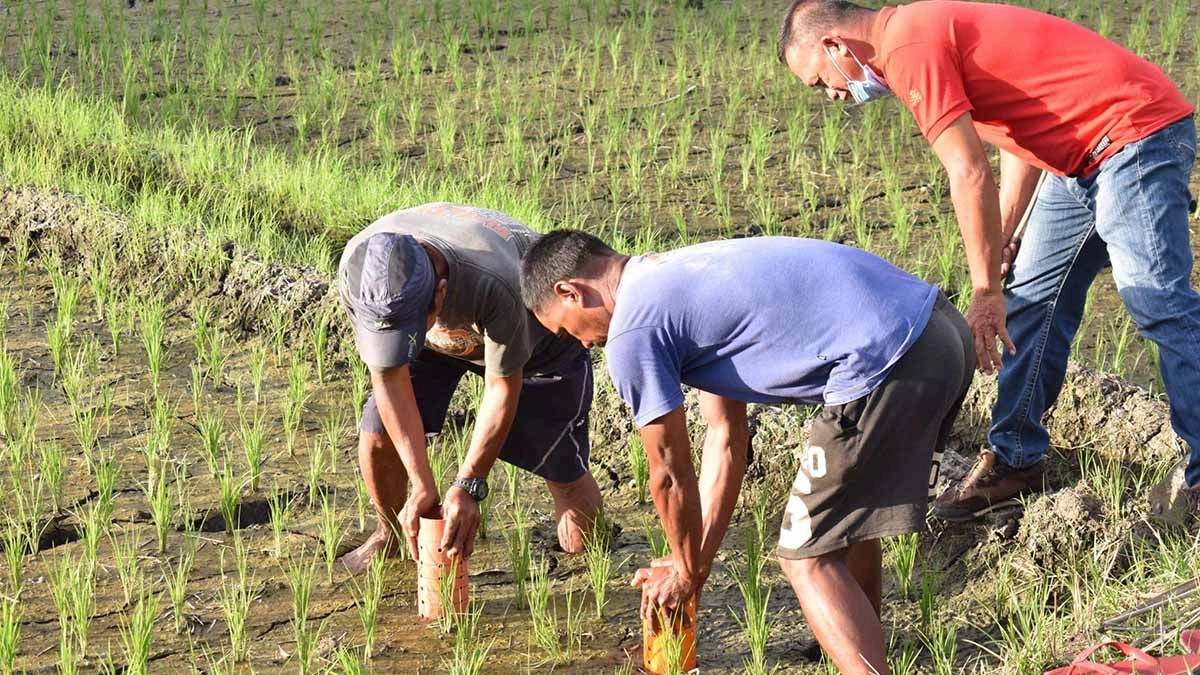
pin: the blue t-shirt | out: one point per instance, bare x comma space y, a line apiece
762, 320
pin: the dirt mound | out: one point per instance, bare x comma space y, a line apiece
1058, 523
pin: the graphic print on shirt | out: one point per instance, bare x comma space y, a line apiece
461, 343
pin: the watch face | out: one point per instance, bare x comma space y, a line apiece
476, 487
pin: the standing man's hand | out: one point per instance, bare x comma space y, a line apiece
420, 502
986, 316
1008, 255
461, 513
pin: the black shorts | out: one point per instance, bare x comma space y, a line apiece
549, 435
870, 465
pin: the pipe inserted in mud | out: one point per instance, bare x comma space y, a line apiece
435, 569
673, 648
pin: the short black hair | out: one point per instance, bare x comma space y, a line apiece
555, 257
818, 15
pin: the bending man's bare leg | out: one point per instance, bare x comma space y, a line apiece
865, 562
843, 617
576, 506
387, 483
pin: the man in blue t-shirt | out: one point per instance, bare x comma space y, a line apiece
773, 320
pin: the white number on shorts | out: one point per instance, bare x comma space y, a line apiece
814, 462
798, 522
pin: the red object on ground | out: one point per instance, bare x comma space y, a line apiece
1139, 662
656, 649
433, 570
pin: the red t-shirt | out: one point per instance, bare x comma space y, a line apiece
1042, 88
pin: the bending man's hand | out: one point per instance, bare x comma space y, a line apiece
419, 503
986, 316
665, 595
461, 512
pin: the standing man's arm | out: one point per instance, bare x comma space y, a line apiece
402, 420
977, 207
493, 421
1018, 182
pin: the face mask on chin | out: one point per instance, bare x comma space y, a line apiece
870, 88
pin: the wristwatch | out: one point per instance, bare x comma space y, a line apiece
476, 487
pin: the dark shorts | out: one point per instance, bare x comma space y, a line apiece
870, 464
549, 435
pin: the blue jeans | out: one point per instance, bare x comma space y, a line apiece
1133, 214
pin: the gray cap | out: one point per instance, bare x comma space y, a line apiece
387, 284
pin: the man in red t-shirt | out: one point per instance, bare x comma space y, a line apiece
1116, 141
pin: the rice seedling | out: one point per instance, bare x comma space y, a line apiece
137, 632
237, 592
639, 466
119, 320
162, 506
597, 543
125, 552
333, 426
106, 471
9, 400
50, 471
279, 505
440, 461
903, 552
14, 557
176, 580
253, 435
903, 658
756, 597
72, 584
347, 659
450, 614
300, 578
209, 423
544, 623
10, 634
512, 480
215, 357
294, 406
672, 647
657, 540
360, 384
196, 385
230, 494
202, 326
331, 533
152, 315
319, 338
367, 598
469, 652
941, 640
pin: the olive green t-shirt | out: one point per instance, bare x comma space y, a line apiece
483, 320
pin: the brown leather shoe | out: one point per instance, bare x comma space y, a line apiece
990, 486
